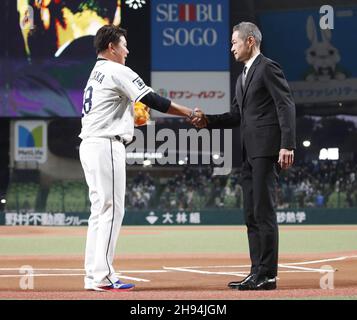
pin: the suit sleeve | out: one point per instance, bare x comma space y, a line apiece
279, 89
225, 120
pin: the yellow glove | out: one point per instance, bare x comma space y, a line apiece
141, 114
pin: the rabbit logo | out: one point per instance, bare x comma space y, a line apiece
322, 55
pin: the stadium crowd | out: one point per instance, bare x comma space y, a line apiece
329, 184
318, 184
141, 192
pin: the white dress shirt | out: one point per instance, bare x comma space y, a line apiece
247, 67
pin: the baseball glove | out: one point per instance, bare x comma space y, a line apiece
141, 114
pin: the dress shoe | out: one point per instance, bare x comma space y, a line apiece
266, 283
236, 284
259, 283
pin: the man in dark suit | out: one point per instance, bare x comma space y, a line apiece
264, 109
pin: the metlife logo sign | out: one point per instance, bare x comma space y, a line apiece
190, 35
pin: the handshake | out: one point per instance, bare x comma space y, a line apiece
198, 118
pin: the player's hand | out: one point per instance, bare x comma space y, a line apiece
199, 120
286, 158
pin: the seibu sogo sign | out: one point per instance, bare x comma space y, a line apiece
190, 35
196, 36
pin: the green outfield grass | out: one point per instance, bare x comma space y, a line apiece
187, 240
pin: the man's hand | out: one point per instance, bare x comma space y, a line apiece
199, 120
286, 158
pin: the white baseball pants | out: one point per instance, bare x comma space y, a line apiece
103, 162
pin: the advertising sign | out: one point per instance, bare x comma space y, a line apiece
319, 64
210, 91
190, 35
31, 141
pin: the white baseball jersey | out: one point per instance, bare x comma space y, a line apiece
109, 96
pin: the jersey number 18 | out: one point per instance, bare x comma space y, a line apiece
87, 100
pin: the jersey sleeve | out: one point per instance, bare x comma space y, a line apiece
130, 83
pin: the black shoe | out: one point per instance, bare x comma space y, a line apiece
266, 283
259, 283
236, 284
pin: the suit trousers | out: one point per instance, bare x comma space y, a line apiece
260, 177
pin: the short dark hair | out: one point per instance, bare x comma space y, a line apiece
107, 34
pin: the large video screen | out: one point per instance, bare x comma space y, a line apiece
48, 55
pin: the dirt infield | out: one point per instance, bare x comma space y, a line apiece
179, 277
173, 276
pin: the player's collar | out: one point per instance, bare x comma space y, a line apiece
101, 59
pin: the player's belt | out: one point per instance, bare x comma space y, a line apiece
120, 139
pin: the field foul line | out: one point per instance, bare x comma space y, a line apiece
299, 271
65, 269
307, 269
290, 265
322, 260
65, 275
240, 274
40, 275
217, 267
283, 264
39, 269
134, 279
205, 272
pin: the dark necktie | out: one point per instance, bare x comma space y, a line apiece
244, 76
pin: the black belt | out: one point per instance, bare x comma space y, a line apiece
120, 139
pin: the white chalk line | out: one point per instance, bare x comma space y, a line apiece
205, 272
218, 267
193, 269
67, 269
320, 270
321, 261
291, 265
282, 264
39, 269
31, 274
40, 275
241, 274
65, 275
134, 279
299, 271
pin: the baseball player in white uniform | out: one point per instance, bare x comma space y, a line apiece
107, 126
